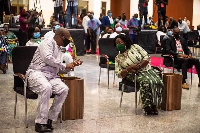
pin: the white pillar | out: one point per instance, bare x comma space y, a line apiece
196, 13
47, 7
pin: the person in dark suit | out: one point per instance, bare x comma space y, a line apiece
177, 47
172, 23
197, 33
107, 21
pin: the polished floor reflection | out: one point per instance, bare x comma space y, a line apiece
102, 113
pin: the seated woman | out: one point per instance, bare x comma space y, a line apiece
134, 59
3, 52
12, 40
34, 36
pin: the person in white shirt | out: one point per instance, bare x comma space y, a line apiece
86, 19
42, 79
183, 26
50, 34
34, 36
41, 19
58, 4
118, 31
161, 31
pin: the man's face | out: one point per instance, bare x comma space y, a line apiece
6, 28
176, 31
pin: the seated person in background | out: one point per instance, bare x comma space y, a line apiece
172, 23
3, 52
109, 31
12, 40
42, 79
134, 59
177, 47
50, 34
117, 32
161, 31
34, 36
55, 25
198, 33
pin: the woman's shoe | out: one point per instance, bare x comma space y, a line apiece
148, 111
154, 110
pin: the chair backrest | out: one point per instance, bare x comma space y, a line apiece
106, 46
163, 44
191, 36
21, 58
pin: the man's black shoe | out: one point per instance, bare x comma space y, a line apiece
49, 124
41, 128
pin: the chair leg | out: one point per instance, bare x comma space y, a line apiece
108, 78
156, 50
135, 96
26, 119
121, 95
114, 78
15, 109
191, 75
99, 76
61, 116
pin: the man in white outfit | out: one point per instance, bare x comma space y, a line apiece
42, 79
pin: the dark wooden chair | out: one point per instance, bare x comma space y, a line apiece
22, 56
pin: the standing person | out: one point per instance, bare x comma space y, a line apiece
3, 52
134, 59
12, 40
133, 25
41, 20
183, 26
100, 19
161, 11
123, 21
58, 5
143, 10
34, 20
107, 21
93, 31
86, 19
42, 79
72, 9
24, 21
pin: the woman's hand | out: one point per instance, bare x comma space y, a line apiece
132, 68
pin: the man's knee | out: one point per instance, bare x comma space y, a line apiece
46, 88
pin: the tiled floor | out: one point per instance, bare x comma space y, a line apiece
102, 113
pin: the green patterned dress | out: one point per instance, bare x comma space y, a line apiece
150, 83
11, 43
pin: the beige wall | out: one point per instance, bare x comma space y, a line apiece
47, 7
196, 13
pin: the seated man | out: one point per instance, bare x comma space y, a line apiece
42, 79
177, 47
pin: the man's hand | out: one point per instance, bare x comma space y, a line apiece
77, 62
182, 56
